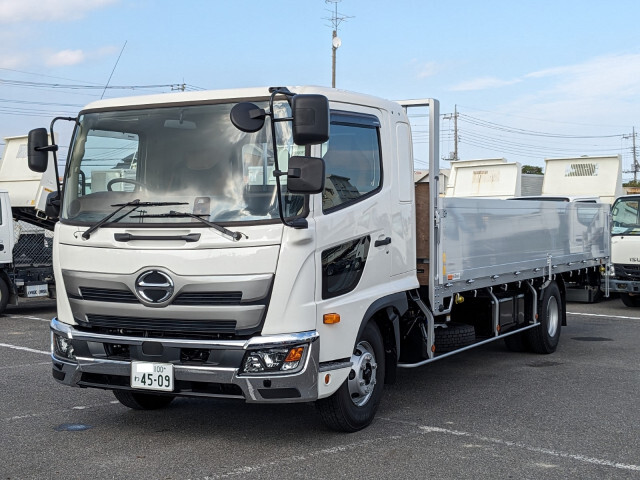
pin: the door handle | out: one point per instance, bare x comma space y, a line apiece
383, 242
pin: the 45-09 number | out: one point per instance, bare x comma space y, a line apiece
149, 380
154, 376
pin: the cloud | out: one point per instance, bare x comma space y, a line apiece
428, 69
611, 76
483, 83
16, 11
11, 61
65, 58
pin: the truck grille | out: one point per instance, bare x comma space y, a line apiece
185, 299
145, 326
628, 272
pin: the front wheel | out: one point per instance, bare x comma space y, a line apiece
353, 406
545, 338
142, 401
630, 300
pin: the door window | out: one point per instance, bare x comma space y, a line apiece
352, 159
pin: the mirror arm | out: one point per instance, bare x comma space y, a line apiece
54, 149
275, 157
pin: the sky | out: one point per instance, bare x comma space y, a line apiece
529, 79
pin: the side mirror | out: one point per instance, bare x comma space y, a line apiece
310, 119
52, 205
305, 175
247, 117
38, 150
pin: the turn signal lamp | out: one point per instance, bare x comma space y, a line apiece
331, 318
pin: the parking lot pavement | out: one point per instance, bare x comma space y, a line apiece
486, 413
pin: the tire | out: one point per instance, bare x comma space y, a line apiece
4, 295
629, 300
353, 406
142, 401
517, 342
451, 336
545, 338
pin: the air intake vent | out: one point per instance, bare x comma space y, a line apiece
107, 295
208, 298
582, 170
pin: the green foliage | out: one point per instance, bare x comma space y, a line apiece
532, 169
632, 183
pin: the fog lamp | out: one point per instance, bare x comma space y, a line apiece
62, 347
273, 360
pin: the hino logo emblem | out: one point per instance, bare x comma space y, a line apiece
154, 286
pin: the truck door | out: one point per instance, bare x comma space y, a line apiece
353, 223
6, 230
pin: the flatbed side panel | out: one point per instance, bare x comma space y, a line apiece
507, 240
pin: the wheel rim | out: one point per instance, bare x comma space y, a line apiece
362, 378
553, 316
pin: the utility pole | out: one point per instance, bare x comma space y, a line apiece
335, 19
636, 167
454, 116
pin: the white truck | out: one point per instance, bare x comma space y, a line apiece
272, 247
494, 178
625, 249
26, 239
598, 177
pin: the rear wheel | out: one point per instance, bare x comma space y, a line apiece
630, 300
545, 338
142, 401
353, 406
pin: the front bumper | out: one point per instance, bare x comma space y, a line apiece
96, 366
624, 286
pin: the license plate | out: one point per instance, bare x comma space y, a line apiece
152, 376
40, 290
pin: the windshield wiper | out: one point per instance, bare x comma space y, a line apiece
135, 204
235, 236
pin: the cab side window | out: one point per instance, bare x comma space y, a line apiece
353, 161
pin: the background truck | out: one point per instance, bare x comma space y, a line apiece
26, 234
494, 178
314, 280
625, 249
597, 177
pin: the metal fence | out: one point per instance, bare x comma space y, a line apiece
33, 245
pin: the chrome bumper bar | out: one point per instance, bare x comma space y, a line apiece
92, 368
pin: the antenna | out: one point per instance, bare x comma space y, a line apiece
336, 19
114, 69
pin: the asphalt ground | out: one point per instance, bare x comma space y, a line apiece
486, 413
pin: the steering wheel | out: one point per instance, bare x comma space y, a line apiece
124, 180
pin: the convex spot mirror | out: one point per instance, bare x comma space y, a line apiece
38, 153
305, 175
247, 117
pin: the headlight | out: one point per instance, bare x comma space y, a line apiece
274, 360
62, 346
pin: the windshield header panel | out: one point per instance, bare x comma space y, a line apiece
187, 154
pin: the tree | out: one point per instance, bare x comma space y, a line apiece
531, 169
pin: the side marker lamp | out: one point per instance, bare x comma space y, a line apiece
331, 318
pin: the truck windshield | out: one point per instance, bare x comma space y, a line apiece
191, 155
626, 219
